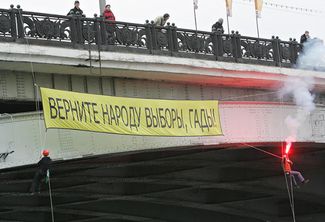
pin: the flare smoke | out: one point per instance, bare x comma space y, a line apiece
312, 58
300, 90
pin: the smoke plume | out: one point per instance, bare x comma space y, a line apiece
300, 88
312, 56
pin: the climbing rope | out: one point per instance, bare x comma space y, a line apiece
89, 49
36, 87
264, 151
50, 194
288, 179
289, 189
292, 201
38, 110
250, 95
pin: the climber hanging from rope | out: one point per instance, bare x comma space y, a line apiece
286, 165
42, 172
290, 175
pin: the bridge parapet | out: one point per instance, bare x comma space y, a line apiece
21, 26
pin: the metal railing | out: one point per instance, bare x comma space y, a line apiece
17, 25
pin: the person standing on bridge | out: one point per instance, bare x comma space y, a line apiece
110, 27
42, 172
108, 14
304, 38
286, 165
76, 10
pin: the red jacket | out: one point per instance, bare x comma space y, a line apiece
286, 164
108, 15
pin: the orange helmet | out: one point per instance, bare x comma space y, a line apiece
46, 152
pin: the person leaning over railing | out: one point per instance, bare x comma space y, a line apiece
217, 27
110, 27
76, 10
161, 20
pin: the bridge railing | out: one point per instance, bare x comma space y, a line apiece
77, 31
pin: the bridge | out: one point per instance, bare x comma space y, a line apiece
194, 179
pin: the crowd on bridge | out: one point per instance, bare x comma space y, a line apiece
108, 15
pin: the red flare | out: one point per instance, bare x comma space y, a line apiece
288, 147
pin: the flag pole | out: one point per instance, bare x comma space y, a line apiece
229, 13
228, 24
195, 19
257, 27
102, 4
258, 10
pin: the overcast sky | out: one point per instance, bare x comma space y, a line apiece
284, 24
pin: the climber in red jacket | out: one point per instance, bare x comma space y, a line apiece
286, 165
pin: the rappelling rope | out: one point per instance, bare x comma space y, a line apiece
37, 107
290, 194
89, 48
36, 88
264, 151
251, 95
289, 189
50, 194
292, 201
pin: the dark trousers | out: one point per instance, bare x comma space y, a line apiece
36, 185
296, 174
110, 34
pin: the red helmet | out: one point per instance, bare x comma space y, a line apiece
46, 152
